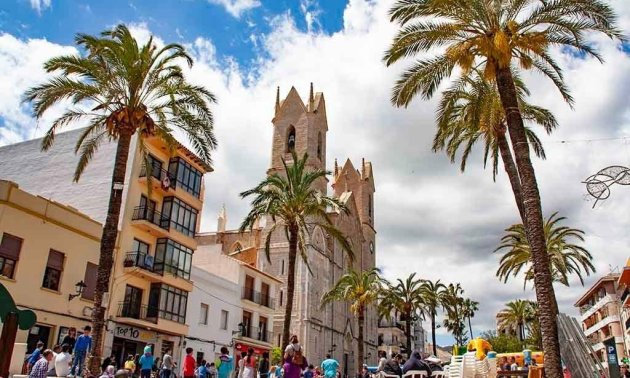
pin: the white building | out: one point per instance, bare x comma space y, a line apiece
213, 314
252, 299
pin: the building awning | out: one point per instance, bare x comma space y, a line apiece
243, 347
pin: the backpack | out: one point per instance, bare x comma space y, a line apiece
298, 358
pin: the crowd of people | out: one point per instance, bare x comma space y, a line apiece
63, 360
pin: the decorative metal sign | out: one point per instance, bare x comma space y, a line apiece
598, 185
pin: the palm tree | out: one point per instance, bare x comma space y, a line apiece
469, 307
360, 290
121, 89
295, 206
495, 36
433, 297
566, 257
516, 315
405, 298
471, 109
453, 305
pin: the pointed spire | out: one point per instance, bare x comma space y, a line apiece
362, 168
311, 99
336, 168
277, 100
222, 219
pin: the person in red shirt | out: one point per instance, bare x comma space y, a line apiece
188, 370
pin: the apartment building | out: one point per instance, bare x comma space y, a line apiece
624, 290
257, 298
213, 314
391, 335
48, 261
600, 316
161, 201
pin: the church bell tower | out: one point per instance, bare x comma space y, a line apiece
299, 127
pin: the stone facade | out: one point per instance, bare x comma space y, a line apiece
332, 329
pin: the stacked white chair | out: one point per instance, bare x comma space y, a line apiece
455, 368
492, 367
469, 365
439, 374
416, 374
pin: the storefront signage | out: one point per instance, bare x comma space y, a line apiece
133, 333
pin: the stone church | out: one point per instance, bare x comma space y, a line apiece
303, 127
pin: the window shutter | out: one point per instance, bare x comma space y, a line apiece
10, 246
55, 260
91, 273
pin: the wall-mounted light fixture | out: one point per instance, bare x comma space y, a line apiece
79, 287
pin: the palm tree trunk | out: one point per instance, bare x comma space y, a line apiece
470, 327
433, 333
512, 172
533, 224
361, 351
408, 333
293, 239
106, 259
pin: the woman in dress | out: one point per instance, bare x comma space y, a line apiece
249, 364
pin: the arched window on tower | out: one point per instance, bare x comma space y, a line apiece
370, 205
319, 146
291, 140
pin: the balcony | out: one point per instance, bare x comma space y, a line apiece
628, 324
586, 311
384, 323
167, 181
127, 309
256, 334
257, 297
625, 298
601, 324
151, 220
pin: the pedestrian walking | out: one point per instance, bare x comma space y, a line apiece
130, 365
329, 367
263, 366
188, 368
249, 364
40, 368
294, 360
82, 347
225, 364
167, 365
146, 363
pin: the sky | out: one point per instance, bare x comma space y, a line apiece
430, 218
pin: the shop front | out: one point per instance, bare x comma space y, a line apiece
242, 347
125, 340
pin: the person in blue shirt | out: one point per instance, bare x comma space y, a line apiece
225, 364
146, 363
330, 366
35, 356
82, 347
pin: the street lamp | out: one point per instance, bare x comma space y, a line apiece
78, 287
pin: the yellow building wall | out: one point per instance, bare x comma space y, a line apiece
45, 225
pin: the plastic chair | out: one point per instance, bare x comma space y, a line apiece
438, 374
416, 374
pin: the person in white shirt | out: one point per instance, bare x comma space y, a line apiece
51, 364
63, 361
514, 365
293, 347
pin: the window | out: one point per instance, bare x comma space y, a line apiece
281, 297
224, 319
247, 323
203, 316
319, 146
54, 267
155, 167
282, 268
370, 205
140, 250
140, 246
187, 177
132, 304
179, 215
248, 290
371, 248
173, 258
265, 300
91, 274
173, 303
10, 248
291, 140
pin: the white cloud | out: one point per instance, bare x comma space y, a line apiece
236, 7
40, 5
430, 218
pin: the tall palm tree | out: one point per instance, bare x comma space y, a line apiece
295, 206
471, 109
360, 290
122, 89
566, 257
406, 298
433, 298
516, 315
469, 307
453, 305
494, 36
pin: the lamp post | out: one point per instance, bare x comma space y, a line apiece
79, 287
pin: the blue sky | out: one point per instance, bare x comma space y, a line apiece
431, 219
232, 34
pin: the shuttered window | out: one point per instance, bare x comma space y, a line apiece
10, 247
91, 273
54, 268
